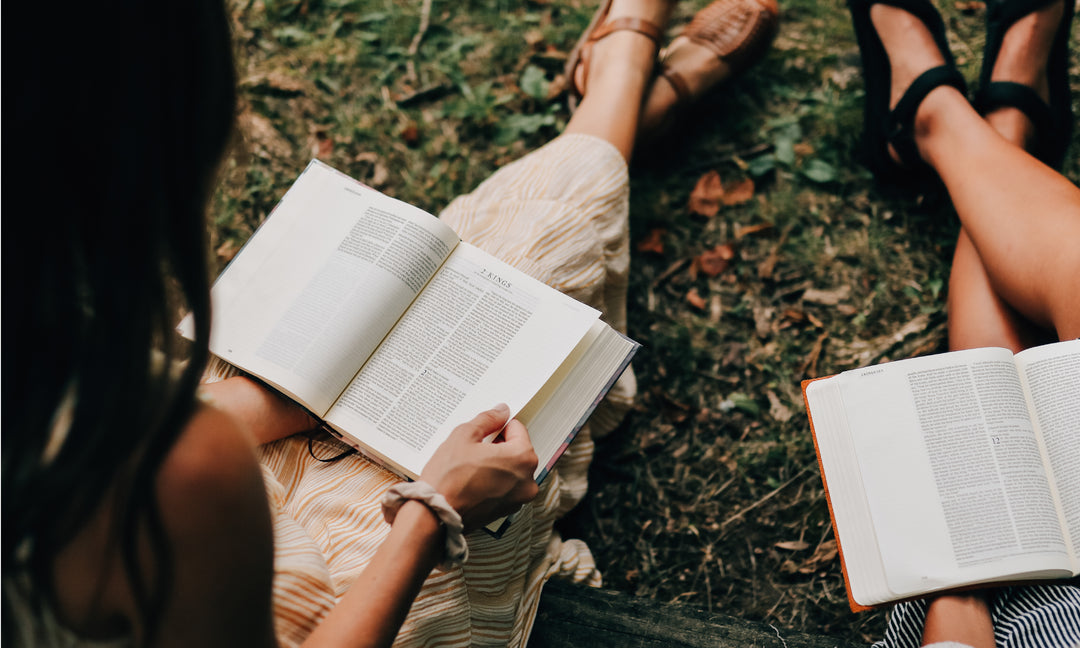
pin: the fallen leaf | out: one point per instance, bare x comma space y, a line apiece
714, 261
780, 412
226, 251
825, 553
969, 7
653, 241
809, 366
747, 230
410, 134
321, 145
378, 175
763, 320
266, 141
707, 194
695, 299
803, 149
792, 545
742, 191
826, 297
814, 320
716, 308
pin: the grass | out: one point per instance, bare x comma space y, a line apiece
709, 494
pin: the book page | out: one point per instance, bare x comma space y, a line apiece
858, 541
1051, 374
320, 284
481, 333
953, 473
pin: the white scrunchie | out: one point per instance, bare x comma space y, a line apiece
457, 550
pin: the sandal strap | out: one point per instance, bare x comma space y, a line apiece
901, 128
1008, 94
678, 84
629, 23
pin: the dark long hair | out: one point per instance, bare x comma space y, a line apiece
116, 122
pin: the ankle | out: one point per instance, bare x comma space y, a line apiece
933, 117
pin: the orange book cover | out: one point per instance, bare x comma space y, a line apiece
855, 607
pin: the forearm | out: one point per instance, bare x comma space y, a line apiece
373, 610
267, 415
964, 618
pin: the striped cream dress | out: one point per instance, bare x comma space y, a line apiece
559, 214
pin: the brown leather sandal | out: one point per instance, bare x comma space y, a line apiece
597, 30
738, 32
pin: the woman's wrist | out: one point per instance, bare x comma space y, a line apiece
421, 524
455, 548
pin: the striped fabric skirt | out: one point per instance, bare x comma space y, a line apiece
560, 215
1036, 616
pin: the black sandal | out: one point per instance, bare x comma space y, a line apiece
1054, 120
882, 126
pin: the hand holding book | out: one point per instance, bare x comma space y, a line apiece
484, 481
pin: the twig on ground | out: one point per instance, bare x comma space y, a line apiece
414, 47
766, 498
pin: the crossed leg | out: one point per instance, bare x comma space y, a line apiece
1021, 218
978, 316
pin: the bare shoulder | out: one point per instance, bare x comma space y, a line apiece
214, 509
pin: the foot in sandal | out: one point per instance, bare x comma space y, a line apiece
1024, 84
621, 39
723, 39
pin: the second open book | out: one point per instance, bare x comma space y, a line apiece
952, 470
373, 315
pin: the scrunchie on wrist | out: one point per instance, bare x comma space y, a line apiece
457, 550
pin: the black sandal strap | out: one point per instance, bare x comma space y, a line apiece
902, 118
1007, 94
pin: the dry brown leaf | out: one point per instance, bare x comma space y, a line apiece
321, 145
793, 545
714, 261
780, 412
809, 366
378, 175
742, 191
266, 141
226, 251
695, 299
707, 194
410, 134
826, 297
803, 149
278, 81
825, 553
747, 230
814, 320
763, 320
716, 308
653, 241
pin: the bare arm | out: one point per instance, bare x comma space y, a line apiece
482, 481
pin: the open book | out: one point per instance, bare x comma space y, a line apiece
952, 470
378, 319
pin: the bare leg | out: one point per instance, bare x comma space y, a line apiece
620, 70
978, 316
964, 618
1022, 217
